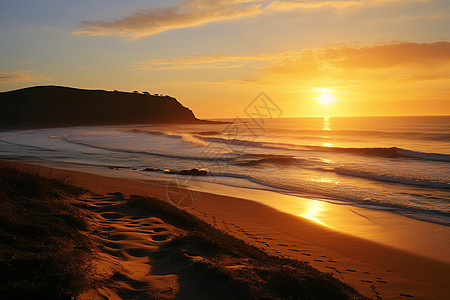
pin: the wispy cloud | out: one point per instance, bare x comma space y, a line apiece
218, 60
280, 5
20, 76
189, 13
317, 59
193, 13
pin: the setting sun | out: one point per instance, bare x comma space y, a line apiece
325, 98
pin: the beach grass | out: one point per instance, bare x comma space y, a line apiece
43, 254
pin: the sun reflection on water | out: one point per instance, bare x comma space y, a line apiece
326, 123
314, 212
325, 180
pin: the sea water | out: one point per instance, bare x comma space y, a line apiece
396, 163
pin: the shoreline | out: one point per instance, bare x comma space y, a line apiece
372, 268
381, 226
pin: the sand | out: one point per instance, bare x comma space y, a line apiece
377, 270
124, 237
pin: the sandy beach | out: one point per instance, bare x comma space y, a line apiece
392, 268
226, 149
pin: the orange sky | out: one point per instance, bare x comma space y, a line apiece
374, 57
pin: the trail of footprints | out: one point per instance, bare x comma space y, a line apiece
263, 242
120, 226
129, 237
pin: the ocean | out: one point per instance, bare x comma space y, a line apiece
401, 164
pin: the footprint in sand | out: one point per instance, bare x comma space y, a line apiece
112, 245
283, 245
112, 215
377, 295
334, 269
332, 261
138, 252
113, 252
368, 281
160, 237
319, 260
108, 228
103, 203
306, 254
382, 281
351, 270
117, 237
406, 295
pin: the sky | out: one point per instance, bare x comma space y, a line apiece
312, 58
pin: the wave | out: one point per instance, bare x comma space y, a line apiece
423, 155
384, 152
251, 159
206, 132
380, 151
190, 139
221, 157
336, 197
155, 132
269, 159
318, 164
408, 135
27, 146
390, 178
391, 152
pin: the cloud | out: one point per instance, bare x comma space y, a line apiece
317, 60
399, 62
281, 6
19, 76
385, 56
189, 13
218, 60
309, 5
193, 13
358, 66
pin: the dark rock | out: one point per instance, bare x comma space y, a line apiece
193, 172
151, 170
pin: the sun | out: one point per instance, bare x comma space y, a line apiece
325, 98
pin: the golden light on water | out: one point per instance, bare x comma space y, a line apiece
326, 123
314, 212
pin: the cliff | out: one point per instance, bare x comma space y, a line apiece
55, 106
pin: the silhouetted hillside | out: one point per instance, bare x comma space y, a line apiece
55, 106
